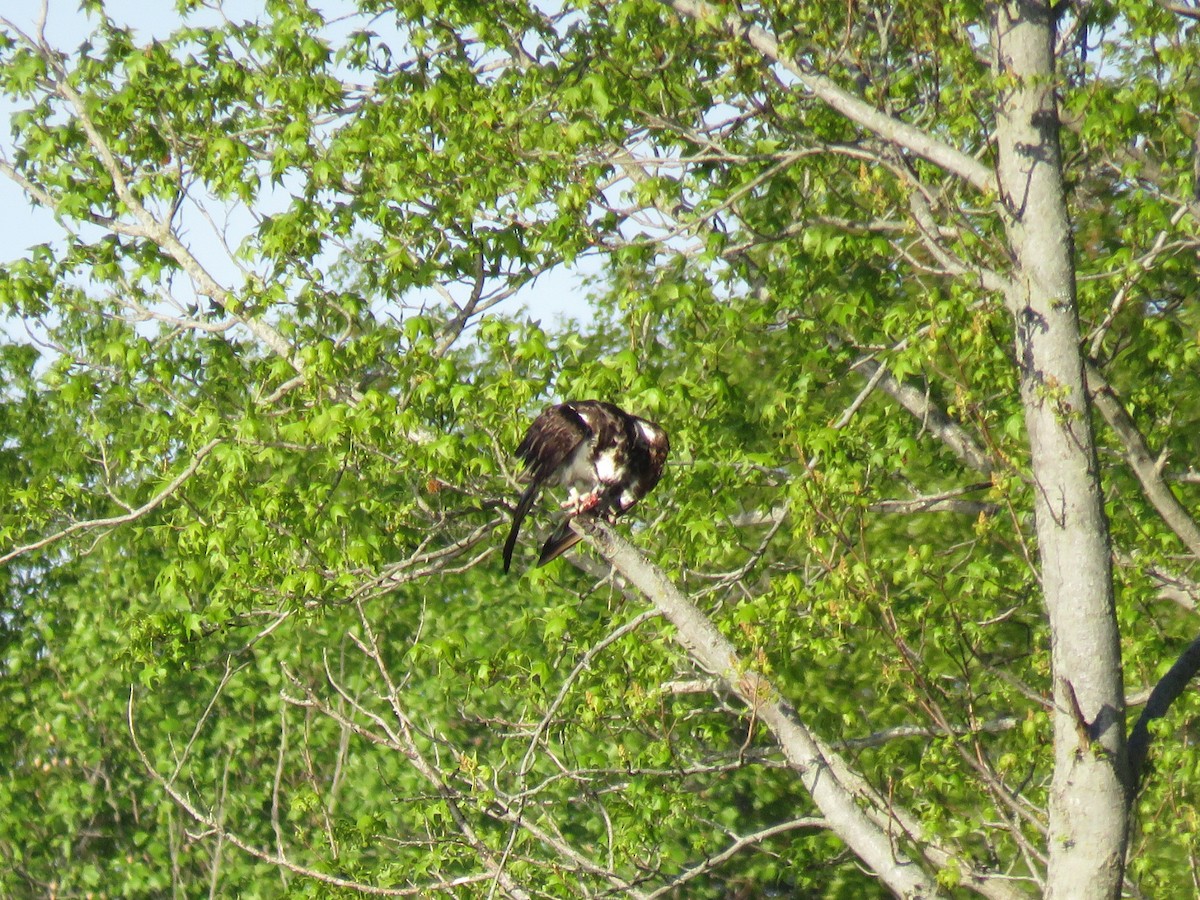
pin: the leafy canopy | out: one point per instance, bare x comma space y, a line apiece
260, 399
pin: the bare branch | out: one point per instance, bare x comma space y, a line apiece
944, 501
1176, 587
276, 859
1166, 692
893, 817
1146, 468
147, 225
527, 761
717, 655
770, 517
949, 432
735, 848
853, 108
1144, 264
898, 732
923, 216
868, 388
870, 826
1180, 9
370, 647
149, 506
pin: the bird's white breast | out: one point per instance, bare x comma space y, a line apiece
608, 466
578, 469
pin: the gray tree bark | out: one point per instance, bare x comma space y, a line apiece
882, 834
1089, 793
1090, 788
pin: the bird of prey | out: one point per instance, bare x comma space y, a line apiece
606, 458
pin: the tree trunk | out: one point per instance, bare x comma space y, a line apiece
1088, 802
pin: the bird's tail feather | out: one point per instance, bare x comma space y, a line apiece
523, 507
562, 540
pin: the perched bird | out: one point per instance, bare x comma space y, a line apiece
606, 458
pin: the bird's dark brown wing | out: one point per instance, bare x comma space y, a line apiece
645, 449
608, 458
547, 447
551, 441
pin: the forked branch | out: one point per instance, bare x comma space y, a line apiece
1147, 469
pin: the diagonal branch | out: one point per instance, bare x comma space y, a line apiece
1180, 9
943, 501
949, 432
111, 521
276, 859
543, 726
849, 810
162, 234
1145, 467
146, 224
737, 846
1166, 692
854, 108
428, 770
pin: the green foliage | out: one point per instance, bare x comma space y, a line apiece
253, 634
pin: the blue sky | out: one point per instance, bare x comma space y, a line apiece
555, 294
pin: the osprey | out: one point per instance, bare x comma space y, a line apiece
606, 458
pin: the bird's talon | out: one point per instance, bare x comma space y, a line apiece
583, 503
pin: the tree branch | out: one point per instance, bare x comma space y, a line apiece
148, 225
853, 108
1145, 467
944, 501
275, 859
130, 516
931, 416
517, 820
738, 845
1180, 9
865, 830
1166, 692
